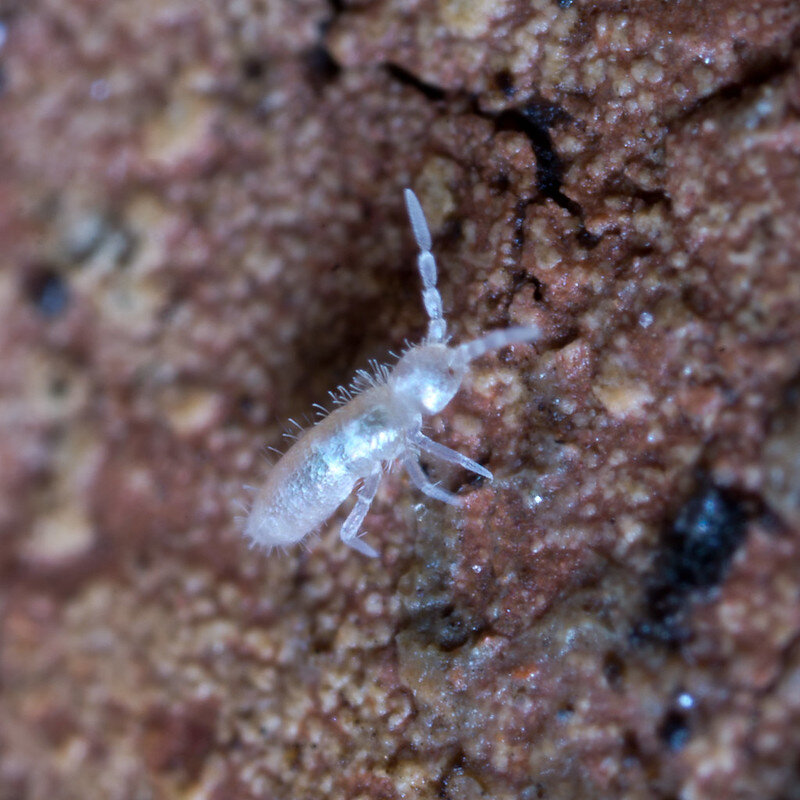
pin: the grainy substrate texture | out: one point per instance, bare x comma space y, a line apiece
201, 232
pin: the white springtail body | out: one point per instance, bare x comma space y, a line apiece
380, 424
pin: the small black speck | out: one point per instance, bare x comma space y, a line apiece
505, 82
58, 387
696, 551
613, 670
588, 239
674, 730
501, 183
253, 68
519, 224
564, 713
704, 538
47, 290
452, 631
535, 791
631, 751
321, 67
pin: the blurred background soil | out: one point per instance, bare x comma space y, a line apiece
202, 232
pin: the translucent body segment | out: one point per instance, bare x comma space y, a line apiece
437, 330
433, 303
427, 268
418, 222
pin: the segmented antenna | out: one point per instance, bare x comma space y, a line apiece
437, 327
